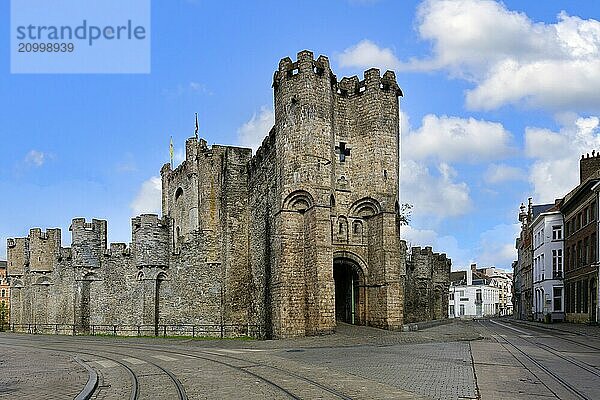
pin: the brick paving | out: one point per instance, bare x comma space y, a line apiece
459, 360
26, 373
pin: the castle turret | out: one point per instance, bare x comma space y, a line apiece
151, 240
88, 242
304, 125
44, 249
18, 256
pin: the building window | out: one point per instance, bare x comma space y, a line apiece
584, 294
586, 250
557, 266
593, 246
543, 267
557, 292
578, 298
451, 295
3, 293
593, 211
557, 232
462, 309
452, 310
586, 216
572, 298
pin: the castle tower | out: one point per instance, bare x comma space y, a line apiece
88, 246
334, 252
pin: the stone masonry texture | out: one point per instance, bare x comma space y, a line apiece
289, 240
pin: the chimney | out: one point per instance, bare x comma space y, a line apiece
470, 275
588, 166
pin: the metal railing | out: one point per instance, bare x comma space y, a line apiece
179, 330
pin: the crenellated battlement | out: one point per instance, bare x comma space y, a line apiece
80, 224
149, 221
118, 250
351, 87
305, 64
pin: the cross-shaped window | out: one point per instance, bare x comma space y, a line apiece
343, 151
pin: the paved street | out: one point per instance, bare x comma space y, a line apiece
488, 359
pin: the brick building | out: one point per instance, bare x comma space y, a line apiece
580, 213
292, 239
4, 293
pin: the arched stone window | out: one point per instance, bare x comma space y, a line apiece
299, 200
178, 193
357, 228
365, 207
342, 225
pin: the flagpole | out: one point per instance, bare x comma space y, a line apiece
171, 151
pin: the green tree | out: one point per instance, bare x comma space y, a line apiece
404, 213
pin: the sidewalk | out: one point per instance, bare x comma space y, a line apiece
577, 329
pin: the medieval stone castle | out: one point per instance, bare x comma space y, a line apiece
303, 234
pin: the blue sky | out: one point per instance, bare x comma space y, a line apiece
500, 101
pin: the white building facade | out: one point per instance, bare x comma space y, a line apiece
475, 299
504, 282
548, 264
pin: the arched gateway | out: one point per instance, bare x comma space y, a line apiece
349, 275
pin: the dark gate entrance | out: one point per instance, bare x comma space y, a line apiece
347, 291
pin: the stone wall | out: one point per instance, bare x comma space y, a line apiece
427, 284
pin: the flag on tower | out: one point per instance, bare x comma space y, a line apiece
196, 131
171, 151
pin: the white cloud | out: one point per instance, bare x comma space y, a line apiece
440, 244
252, 133
509, 57
497, 246
536, 84
497, 173
457, 139
366, 54
555, 170
148, 200
435, 195
35, 158
3, 255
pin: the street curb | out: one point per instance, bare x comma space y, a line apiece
416, 326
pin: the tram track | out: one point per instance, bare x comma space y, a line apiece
509, 344
134, 379
238, 364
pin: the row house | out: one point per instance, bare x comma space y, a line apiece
557, 269
473, 294
4, 295
548, 294
579, 209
